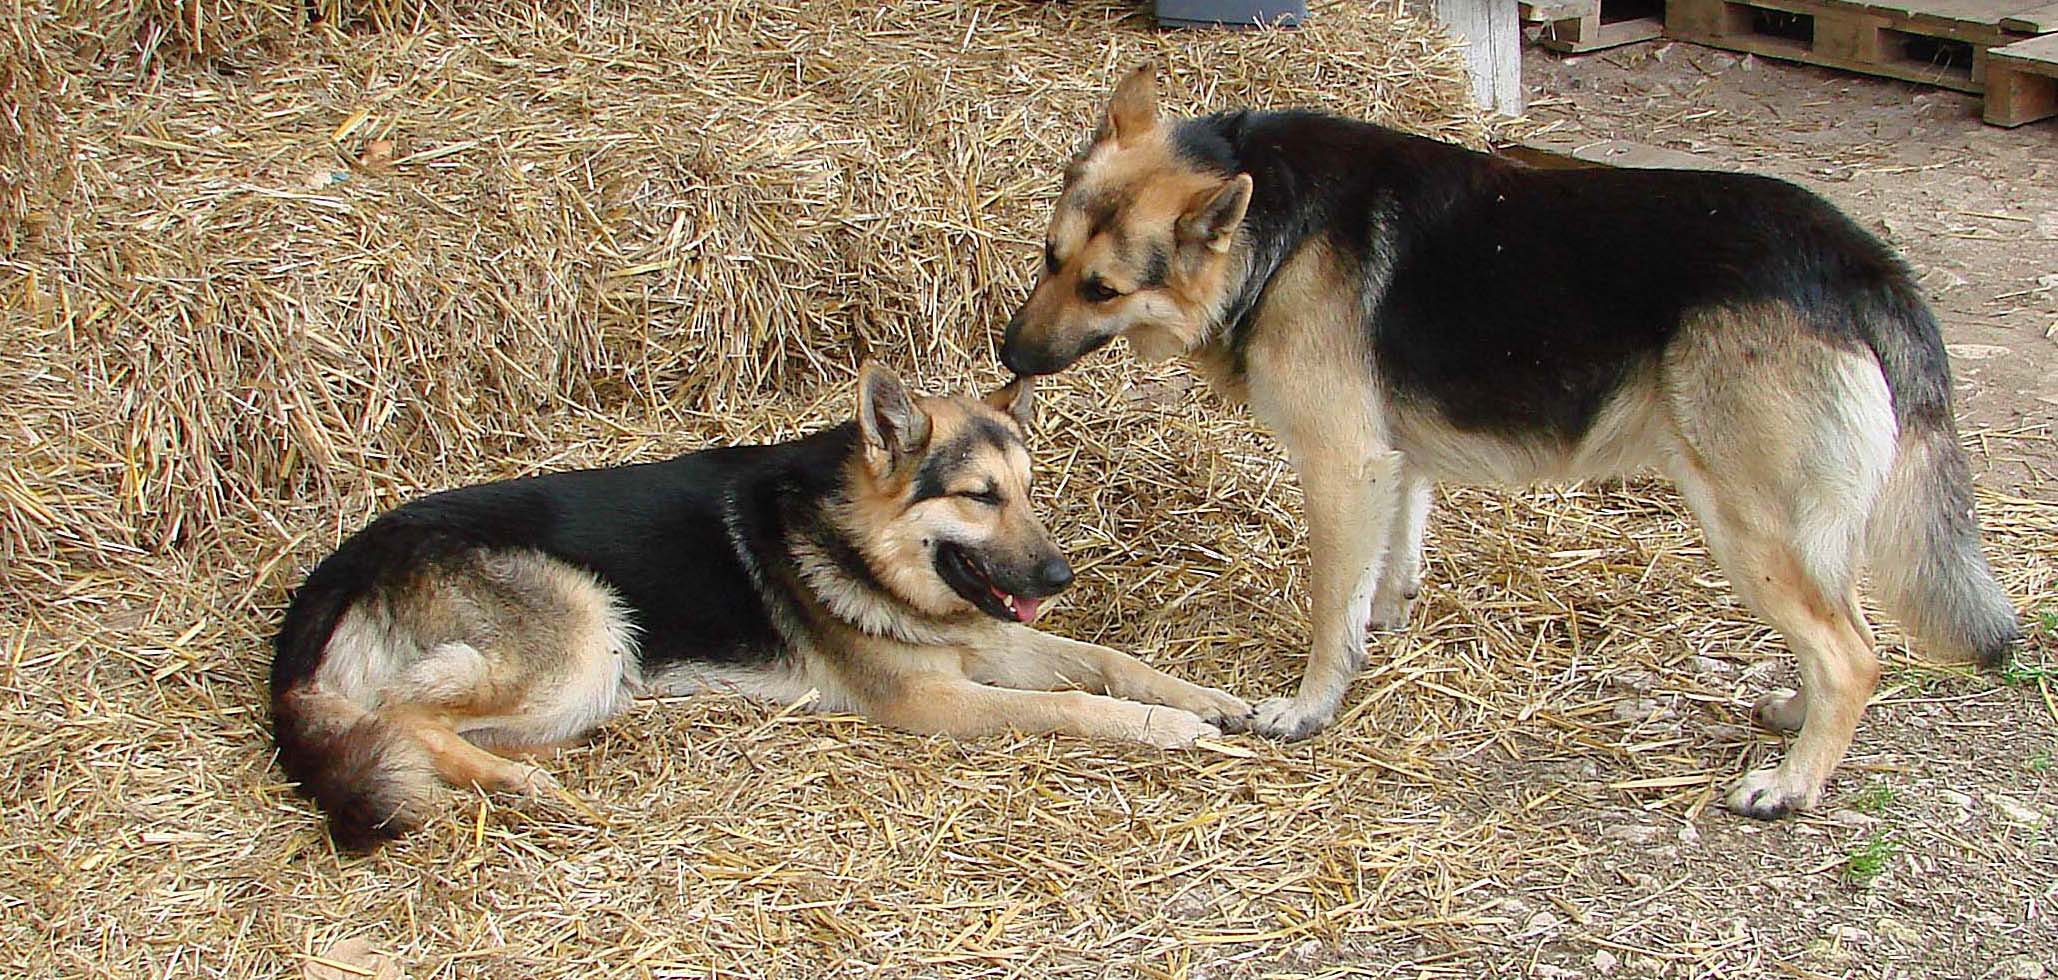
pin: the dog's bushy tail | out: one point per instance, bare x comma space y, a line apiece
1923, 540
372, 780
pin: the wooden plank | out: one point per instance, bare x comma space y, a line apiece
1987, 13
1493, 49
1548, 11
1855, 39
1548, 154
1710, 19
1791, 51
1581, 35
2035, 20
2037, 55
1888, 15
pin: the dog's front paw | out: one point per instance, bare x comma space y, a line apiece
531, 781
1289, 719
1174, 728
1769, 794
1221, 709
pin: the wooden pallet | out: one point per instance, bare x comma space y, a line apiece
1938, 42
1579, 26
2022, 81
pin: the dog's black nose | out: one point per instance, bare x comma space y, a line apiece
1054, 575
1011, 345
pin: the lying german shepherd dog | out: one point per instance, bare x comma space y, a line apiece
889, 566
1400, 311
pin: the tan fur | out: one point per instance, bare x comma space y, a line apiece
1020, 679
1309, 382
1782, 477
509, 650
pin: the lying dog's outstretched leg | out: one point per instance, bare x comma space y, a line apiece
1350, 505
1035, 660
461, 763
946, 704
1400, 579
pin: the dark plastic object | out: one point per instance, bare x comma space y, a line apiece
1231, 13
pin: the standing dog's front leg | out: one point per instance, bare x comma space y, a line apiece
1351, 500
1035, 660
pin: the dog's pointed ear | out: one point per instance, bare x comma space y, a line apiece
1133, 111
1018, 399
1213, 215
893, 428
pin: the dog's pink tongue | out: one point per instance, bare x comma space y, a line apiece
1025, 609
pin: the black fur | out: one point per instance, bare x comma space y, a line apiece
658, 533
1516, 300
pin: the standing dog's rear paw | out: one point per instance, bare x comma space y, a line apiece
1390, 609
1289, 719
1782, 711
1769, 794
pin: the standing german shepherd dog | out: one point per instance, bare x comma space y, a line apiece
889, 565
1399, 311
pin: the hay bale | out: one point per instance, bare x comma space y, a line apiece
29, 163
389, 261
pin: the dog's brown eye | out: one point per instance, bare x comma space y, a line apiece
1097, 291
987, 497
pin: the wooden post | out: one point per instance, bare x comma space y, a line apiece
1493, 49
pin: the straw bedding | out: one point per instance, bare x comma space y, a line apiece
264, 282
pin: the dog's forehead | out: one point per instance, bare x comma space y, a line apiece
1124, 194
968, 443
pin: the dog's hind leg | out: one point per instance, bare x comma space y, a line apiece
1035, 660
1820, 625
532, 652
1400, 577
1784, 444
460, 762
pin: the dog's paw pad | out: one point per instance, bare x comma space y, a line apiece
1287, 719
1768, 794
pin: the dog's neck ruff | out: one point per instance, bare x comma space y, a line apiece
841, 580
1263, 243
